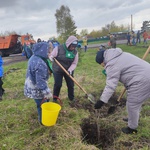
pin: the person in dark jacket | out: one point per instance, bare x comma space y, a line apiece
67, 55
128, 39
133, 72
138, 37
112, 40
36, 85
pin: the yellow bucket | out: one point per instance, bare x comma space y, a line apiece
50, 113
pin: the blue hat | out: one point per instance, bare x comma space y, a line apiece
100, 56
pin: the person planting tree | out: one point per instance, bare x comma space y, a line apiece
67, 55
133, 72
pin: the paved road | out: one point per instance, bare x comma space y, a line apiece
105, 44
13, 59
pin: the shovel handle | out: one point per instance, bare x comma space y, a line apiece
70, 75
124, 90
121, 95
146, 53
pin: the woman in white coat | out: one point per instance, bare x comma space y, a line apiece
133, 72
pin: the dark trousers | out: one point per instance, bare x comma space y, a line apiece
58, 77
85, 48
113, 45
1, 88
128, 42
39, 110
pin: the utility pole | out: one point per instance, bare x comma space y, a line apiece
131, 23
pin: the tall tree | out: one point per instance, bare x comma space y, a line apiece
64, 22
146, 26
83, 32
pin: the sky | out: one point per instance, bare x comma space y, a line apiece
37, 17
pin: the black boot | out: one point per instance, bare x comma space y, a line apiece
128, 130
125, 119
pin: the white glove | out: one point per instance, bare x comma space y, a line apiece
51, 58
48, 96
70, 72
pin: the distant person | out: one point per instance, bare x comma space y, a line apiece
39, 40
145, 36
67, 55
51, 45
28, 50
112, 41
138, 37
79, 46
128, 39
133, 72
36, 85
133, 38
85, 43
54, 42
1, 75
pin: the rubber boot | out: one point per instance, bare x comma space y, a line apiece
125, 119
128, 130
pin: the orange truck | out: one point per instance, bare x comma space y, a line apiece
27, 39
14, 43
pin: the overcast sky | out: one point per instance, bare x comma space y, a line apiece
37, 17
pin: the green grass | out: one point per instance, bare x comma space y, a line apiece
19, 127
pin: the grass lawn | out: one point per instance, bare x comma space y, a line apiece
20, 129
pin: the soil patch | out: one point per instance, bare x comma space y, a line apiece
92, 132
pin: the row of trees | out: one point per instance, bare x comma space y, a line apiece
146, 26
66, 26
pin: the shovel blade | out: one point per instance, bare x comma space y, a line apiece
91, 98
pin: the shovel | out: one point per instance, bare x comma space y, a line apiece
112, 108
89, 96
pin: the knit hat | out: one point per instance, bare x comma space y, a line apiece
70, 40
74, 44
100, 56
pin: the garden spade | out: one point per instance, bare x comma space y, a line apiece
90, 97
112, 108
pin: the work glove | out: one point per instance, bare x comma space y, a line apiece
99, 104
48, 96
51, 58
70, 72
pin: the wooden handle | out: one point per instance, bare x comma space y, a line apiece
70, 76
146, 53
121, 95
124, 90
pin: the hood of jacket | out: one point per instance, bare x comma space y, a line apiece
70, 40
41, 49
111, 54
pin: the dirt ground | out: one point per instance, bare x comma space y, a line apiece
91, 133
13, 59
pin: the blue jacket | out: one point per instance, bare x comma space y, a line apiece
1, 66
36, 86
